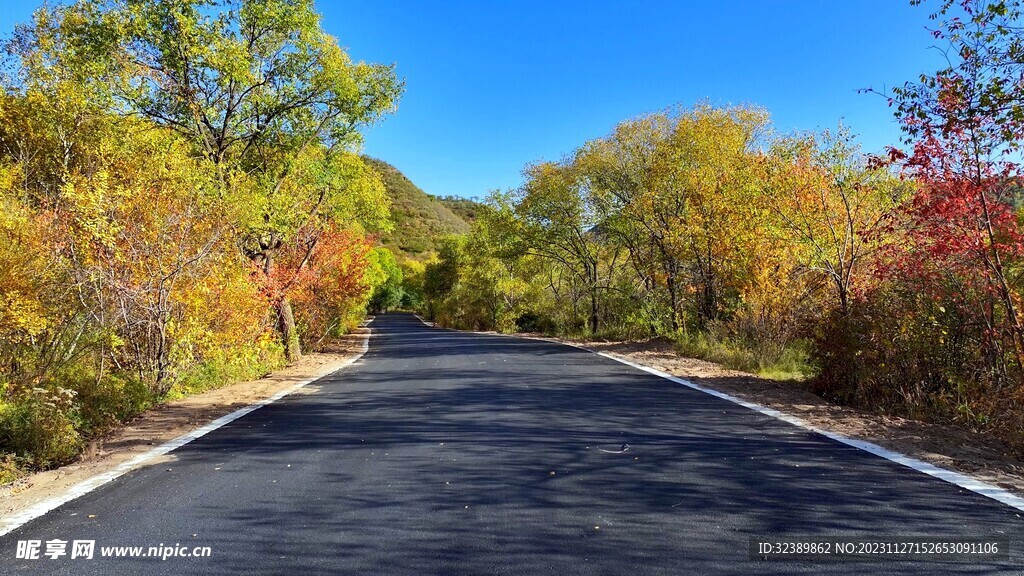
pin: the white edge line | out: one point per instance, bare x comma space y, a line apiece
959, 479
19, 519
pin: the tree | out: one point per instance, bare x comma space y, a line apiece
256, 85
412, 283
832, 207
387, 281
39, 313
173, 174
143, 229
618, 170
677, 188
440, 277
965, 123
334, 286
557, 222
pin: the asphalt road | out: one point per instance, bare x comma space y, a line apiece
452, 453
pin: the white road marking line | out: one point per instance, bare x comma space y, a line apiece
964, 481
18, 519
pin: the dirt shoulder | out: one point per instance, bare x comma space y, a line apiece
171, 420
949, 447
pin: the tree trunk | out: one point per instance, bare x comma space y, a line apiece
708, 308
670, 282
289, 337
285, 315
844, 297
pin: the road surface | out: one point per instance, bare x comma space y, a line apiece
443, 452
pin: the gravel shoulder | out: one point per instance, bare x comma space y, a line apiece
171, 420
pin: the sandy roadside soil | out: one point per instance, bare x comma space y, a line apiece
950, 447
168, 421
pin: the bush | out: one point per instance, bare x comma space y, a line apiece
46, 426
906, 353
534, 322
779, 361
39, 427
10, 469
103, 403
224, 369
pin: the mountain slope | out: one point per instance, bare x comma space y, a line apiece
465, 208
419, 217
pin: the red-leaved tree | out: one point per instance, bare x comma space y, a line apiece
964, 243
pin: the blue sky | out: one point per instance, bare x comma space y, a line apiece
492, 85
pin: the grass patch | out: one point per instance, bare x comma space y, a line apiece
215, 374
10, 469
790, 361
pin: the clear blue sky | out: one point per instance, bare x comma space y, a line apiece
493, 85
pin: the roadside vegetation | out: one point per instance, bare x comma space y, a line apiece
890, 281
182, 205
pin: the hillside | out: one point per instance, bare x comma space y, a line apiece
465, 208
420, 218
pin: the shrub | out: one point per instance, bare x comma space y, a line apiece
39, 427
719, 344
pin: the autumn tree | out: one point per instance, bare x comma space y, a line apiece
557, 221
412, 283
40, 320
677, 188
334, 283
618, 171
832, 205
172, 176
387, 293
964, 123
257, 86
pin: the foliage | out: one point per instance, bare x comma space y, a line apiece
258, 89
941, 333
334, 285
832, 205
794, 256
413, 272
386, 277
173, 177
